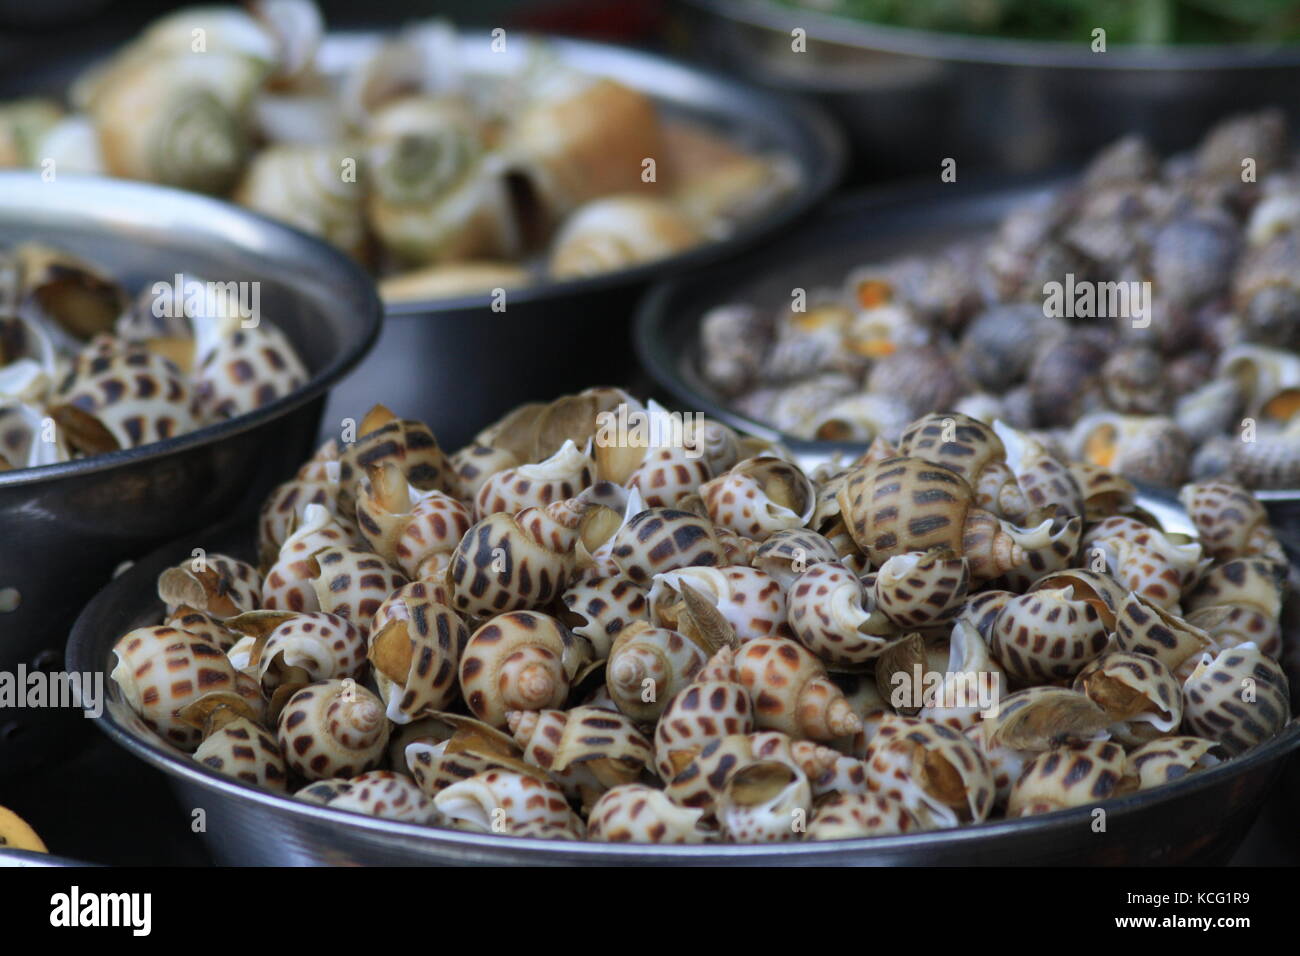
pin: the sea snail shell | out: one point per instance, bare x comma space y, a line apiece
714, 706
760, 496
635, 813
245, 751
505, 563
416, 657
791, 692
219, 585
503, 801
1071, 776
829, 614
936, 772
652, 662
586, 751
1238, 698
519, 661
334, 728
766, 801
1141, 698
601, 609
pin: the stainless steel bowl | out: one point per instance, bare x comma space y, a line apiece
65, 528
907, 98
865, 227
1200, 819
457, 364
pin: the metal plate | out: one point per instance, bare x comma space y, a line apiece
1200, 819
64, 528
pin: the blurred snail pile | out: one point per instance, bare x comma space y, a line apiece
1206, 384
86, 369
450, 167
554, 633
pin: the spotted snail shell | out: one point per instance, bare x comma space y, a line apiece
387, 795
333, 728
305, 648
648, 665
505, 563
586, 751
1139, 695
203, 626
381, 437
715, 705
829, 613
791, 691
247, 369
1145, 559
635, 813
161, 670
1167, 759
668, 475
352, 583
408, 527
1047, 635
561, 476
1238, 698
767, 801
522, 660
1046, 482
474, 464
848, 816
289, 584
1039, 718
503, 801
759, 496
1230, 521
920, 588
750, 600
216, 584
662, 539
787, 554
601, 609
957, 701
1074, 775
245, 751
1145, 628
1240, 601
934, 771
1105, 493
437, 760
416, 657
974, 451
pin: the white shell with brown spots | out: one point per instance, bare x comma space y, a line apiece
322, 645
1075, 775
502, 801
334, 728
1105, 493
499, 566
791, 691
605, 606
586, 750
437, 639
766, 801
245, 751
1230, 521
669, 474
1045, 481
408, 444
216, 584
1145, 560
1047, 636
1005, 764
521, 660
1168, 759
662, 539
203, 626
647, 666
136, 394
1145, 628
849, 816
635, 813
751, 600
788, 554
1238, 698
1241, 601
387, 795
905, 504
247, 369
1139, 695
286, 508
716, 705
741, 498
161, 670
288, 585
828, 614
474, 464
936, 772
353, 583
973, 450
920, 588
563, 475
436, 524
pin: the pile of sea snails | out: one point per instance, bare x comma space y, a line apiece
451, 166
1204, 384
86, 368
557, 633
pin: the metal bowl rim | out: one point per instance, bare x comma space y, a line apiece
663, 301
1000, 51
183, 769
820, 135
308, 250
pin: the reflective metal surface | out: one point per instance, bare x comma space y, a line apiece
457, 364
1200, 819
907, 98
65, 528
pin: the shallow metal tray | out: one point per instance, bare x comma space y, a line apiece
1200, 819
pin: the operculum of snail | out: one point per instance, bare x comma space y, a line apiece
750, 603
1139, 695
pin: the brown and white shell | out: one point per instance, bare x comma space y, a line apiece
934, 771
715, 705
502, 801
1047, 635
600, 609
321, 792
1241, 601
204, 627
760, 496
971, 683
521, 660
382, 437
334, 728
587, 751
787, 554
408, 527
636, 813
243, 750
973, 450
510, 562
438, 760
1105, 493
1139, 695
561, 476
289, 584
416, 657
1046, 482
669, 474
766, 801
791, 691
387, 795
1145, 628
1074, 775
750, 600
1237, 697
474, 464
830, 613
285, 509
1230, 521
1146, 560
1042, 717
245, 370
218, 585
162, 670
1168, 759
663, 539
648, 665
849, 816
310, 647
920, 588
352, 583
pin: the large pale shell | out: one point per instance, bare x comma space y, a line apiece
334, 728
635, 813
304, 185
829, 612
1238, 698
934, 771
521, 660
1071, 776
791, 691
619, 232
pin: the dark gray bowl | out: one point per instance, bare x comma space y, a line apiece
1200, 819
458, 365
65, 528
908, 98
